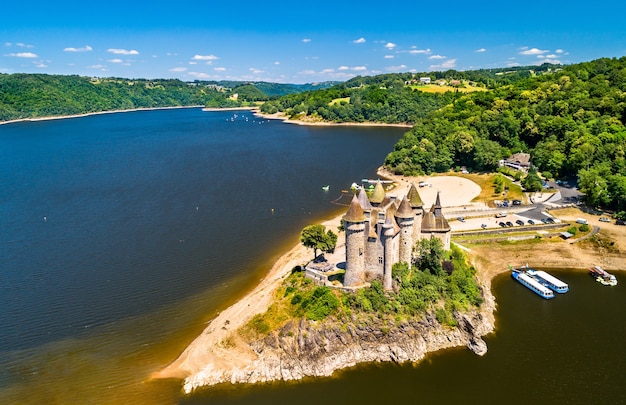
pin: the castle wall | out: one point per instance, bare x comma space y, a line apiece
374, 255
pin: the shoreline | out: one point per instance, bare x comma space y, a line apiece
63, 117
219, 354
282, 117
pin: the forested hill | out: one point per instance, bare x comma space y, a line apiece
572, 122
41, 95
396, 97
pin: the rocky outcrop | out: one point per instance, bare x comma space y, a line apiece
308, 348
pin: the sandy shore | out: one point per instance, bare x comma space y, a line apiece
210, 347
281, 116
62, 117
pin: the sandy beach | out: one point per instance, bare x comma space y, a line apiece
318, 122
63, 117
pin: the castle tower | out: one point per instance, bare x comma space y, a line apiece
436, 225
405, 219
417, 205
378, 195
387, 239
354, 224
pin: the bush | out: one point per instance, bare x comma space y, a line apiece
584, 228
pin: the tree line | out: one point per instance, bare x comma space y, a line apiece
571, 121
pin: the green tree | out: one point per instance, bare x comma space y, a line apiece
316, 237
532, 181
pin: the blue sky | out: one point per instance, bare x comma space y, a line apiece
300, 42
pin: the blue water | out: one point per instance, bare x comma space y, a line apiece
118, 230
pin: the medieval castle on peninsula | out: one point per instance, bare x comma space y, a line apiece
381, 231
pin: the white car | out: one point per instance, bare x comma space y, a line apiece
604, 219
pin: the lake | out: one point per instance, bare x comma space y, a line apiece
122, 235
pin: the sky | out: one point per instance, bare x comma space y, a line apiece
300, 42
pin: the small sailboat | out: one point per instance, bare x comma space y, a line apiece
325, 188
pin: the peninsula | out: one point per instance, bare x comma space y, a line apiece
222, 353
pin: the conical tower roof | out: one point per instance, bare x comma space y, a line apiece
414, 197
404, 210
355, 212
365, 203
378, 195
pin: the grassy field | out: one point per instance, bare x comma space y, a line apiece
339, 100
435, 88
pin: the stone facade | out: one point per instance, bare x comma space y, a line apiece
381, 231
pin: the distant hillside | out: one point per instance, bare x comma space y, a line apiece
41, 95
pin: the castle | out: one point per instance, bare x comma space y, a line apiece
382, 230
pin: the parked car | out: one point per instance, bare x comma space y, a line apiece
604, 219
517, 202
483, 226
550, 220
519, 222
509, 223
620, 222
502, 224
544, 220
461, 219
531, 222
501, 214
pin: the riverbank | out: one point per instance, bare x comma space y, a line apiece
63, 117
220, 354
318, 122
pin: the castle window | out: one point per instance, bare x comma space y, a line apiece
360, 252
380, 260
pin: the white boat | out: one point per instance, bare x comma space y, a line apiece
532, 284
325, 188
548, 280
602, 276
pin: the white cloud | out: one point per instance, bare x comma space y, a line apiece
87, 48
532, 51
277, 63
436, 57
551, 60
327, 71
390, 45
40, 65
343, 68
389, 56
359, 41
306, 40
8, 44
449, 64
193, 63
23, 55
256, 71
178, 69
205, 57
115, 60
21, 45
359, 68
512, 64
117, 51
307, 72
396, 68
480, 50
420, 51
102, 67
220, 69
199, 75
559, 51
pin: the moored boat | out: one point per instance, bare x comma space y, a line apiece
548, 280
602, 276
532, 284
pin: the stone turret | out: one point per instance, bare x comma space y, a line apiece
417, 206
405, 219
435, 224
388, 233
354, 224
378, 195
